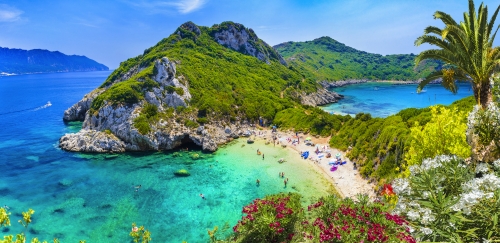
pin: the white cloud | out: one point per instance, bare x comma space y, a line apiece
9, 14
187, 6
181, 6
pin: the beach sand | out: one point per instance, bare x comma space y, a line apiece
345, 179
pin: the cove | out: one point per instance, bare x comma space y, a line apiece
92, 197
385, 99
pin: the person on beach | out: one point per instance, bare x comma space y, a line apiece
202, 196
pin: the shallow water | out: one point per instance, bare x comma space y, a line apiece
92, 196
385, 99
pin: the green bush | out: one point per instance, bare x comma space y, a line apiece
449, 200
191, 124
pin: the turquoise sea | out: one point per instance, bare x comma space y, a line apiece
385, 99
92, 196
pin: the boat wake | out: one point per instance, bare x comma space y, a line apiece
30, 109
43, 106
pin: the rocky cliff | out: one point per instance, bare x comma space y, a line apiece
189, 89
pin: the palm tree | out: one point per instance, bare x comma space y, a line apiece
467, 50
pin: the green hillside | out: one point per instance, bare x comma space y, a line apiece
327, 59
223, 82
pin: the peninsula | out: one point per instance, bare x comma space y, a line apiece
18, 61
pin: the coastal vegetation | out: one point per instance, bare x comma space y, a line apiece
327, 59
281, 218
223, 82
384, 147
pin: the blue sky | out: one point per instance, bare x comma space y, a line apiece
111, 31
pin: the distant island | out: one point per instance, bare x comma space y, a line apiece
18, 61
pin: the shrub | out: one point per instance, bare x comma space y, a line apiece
191, 124
271, 219
344, 220
446, 199
444, 134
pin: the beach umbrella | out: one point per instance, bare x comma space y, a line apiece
338, 155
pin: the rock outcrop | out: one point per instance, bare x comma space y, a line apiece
91, 141
77, 111
241, 39
321, 97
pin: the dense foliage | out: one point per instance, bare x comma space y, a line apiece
280, 218
449, 200
223, 82
327, 59
443, 134
310, 120
379, 145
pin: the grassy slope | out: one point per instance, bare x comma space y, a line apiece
223, 82
327, 59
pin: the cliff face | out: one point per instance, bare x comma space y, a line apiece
111, 128
18, 61
189, 88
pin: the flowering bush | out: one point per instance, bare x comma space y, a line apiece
444, 134
337, 220
483, 132
447, 200
271, 219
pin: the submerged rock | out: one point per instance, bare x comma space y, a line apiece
182, 173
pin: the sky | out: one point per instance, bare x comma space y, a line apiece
112, 31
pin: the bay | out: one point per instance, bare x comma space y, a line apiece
385, 99
93, 197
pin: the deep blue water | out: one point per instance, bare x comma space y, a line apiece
384, 99
92, 196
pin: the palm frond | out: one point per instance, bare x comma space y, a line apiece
431, 77
491, 25
446, 18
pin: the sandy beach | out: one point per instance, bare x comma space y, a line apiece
345, 179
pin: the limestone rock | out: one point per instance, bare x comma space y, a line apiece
320, 97
78, 110
91, 141
241, 39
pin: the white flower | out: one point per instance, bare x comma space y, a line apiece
496, 164
427, 216
426, 231
412, 215
482, 168
426, 194
401, 186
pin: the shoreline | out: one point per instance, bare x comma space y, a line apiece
341, 83
346, 180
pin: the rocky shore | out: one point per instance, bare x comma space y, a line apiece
341, 83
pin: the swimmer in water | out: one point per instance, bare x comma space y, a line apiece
202, 196
137, 187
258, 182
